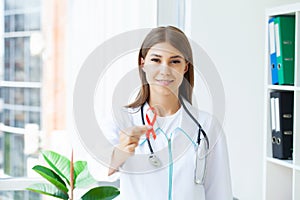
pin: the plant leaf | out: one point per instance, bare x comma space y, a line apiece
59, 163
79, 166
51, 176
83, 178
47, 189
101, 193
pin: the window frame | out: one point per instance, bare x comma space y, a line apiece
9, 183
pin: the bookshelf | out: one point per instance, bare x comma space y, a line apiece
282, 177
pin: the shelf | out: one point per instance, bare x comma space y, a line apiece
296, 183
297, 168
282, 87
284, 163
279, 182
282, 177
283, 10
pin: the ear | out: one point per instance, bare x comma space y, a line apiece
142, 61
142, 64
186, 67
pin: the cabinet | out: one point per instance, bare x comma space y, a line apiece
282, 177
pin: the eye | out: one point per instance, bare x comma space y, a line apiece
175, 61
155, 60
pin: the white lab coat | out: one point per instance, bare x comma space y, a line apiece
139, 180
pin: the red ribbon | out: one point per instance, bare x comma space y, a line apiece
151, 123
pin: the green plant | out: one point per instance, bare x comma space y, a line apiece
65, 176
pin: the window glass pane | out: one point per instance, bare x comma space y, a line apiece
14, 159
6, 115
7, 24
32, 21
7, 195
27, 58
34, 97
35, 69
19, 195
34, 117
32, 3
19, 22
1, 150
19, 96
7, 50
1, 114
19, 119
11, 96
7, 65
14, 4
19, 4
6, 72
9, 4
6, 94
19, 59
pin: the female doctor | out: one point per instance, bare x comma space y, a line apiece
171, 150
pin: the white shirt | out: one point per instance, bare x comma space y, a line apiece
176, 150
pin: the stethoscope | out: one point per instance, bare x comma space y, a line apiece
200, 153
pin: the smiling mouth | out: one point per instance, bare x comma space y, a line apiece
165, 82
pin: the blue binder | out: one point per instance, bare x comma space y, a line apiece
272, 52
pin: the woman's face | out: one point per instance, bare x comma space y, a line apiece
164, 66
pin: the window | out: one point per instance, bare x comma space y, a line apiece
20, 89
85, 25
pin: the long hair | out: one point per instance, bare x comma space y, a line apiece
177, 39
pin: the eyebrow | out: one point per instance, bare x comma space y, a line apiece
157, 55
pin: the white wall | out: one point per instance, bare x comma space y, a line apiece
232, 33
90, 24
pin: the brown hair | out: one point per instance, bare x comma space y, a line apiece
177, 39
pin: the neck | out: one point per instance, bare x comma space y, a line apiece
164, 104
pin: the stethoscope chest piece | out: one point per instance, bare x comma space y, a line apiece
197, 180
154, 160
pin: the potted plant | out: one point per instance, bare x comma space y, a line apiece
64, 176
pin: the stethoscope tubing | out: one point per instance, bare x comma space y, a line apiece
200, 129
156, 162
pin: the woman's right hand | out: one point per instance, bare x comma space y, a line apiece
129, 140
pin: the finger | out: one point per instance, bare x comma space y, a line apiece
129, 139
135, 131
130, 148
140, 130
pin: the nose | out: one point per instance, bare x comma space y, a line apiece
165, 69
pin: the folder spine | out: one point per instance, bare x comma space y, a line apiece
285, 48
282, 104
272, 51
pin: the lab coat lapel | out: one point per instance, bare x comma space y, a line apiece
187, 124
185, 137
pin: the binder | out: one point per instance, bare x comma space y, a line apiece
272, 52
285, 48
282, 104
